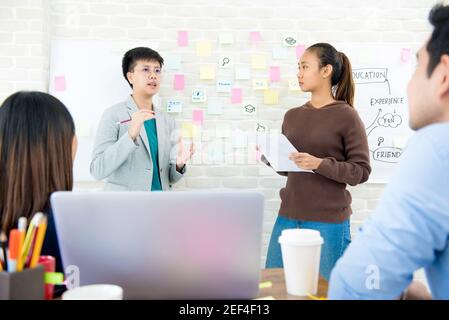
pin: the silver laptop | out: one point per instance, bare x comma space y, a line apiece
163, 245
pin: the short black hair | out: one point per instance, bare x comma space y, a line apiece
438, 44
140, 53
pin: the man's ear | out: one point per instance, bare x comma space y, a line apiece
130, 77
443, 91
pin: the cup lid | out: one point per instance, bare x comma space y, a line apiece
300, 237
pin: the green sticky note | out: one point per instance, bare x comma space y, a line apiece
266, 284
54, 278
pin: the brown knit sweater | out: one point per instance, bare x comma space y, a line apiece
336, 134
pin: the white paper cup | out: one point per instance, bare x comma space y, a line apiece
94, 292
301, 249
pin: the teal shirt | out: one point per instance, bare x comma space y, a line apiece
150, 128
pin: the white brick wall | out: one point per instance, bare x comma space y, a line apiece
27, 25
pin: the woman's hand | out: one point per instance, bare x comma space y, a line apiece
183, 155
137, 120
305, 161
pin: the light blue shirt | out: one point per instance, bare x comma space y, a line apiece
409, 229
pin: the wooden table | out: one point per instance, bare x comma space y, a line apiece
278, 290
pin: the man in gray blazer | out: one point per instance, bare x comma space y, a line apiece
137, 146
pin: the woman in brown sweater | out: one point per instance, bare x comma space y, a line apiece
331, 140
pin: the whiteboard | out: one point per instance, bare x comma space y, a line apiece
381, 74
92, 71
94, 82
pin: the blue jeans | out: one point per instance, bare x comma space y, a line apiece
337, 237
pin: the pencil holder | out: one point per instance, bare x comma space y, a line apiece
25, 285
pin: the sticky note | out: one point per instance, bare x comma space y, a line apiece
172, 62
249, 109
300, 48
198, 117
275, 74
266, 284
224, 86
225, 62
258, 61
207, 72
188, 130
226, 38
60, 83
289, 40
406, 54
174, 106
204, 49
242, 73
183, 38
236, 95
222, 131
178, 82
199, 95
260, 84
270, 97
293, 85
279, 53
255, 37
239, 139
215, 154
214, 107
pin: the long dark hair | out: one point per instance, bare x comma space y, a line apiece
342, 81
36, 135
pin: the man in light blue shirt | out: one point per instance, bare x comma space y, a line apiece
410, 228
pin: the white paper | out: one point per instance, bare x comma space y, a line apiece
276, 148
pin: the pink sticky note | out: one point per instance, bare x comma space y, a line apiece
258, 155
275, 74
406, 54
255, 36
59, 83
198, 116
183, 38
178, 83
300, 48
236, 95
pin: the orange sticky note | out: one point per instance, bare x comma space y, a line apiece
60, 83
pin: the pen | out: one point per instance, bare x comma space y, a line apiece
123, 121
22, 228
39, 241
29, 237
14, 238
3, 242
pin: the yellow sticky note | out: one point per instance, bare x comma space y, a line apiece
266, 284
207, 72
188, 130
204, 49
270, 96
259, 61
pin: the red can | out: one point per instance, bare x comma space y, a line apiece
49, 264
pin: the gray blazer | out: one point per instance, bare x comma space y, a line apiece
127, 164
